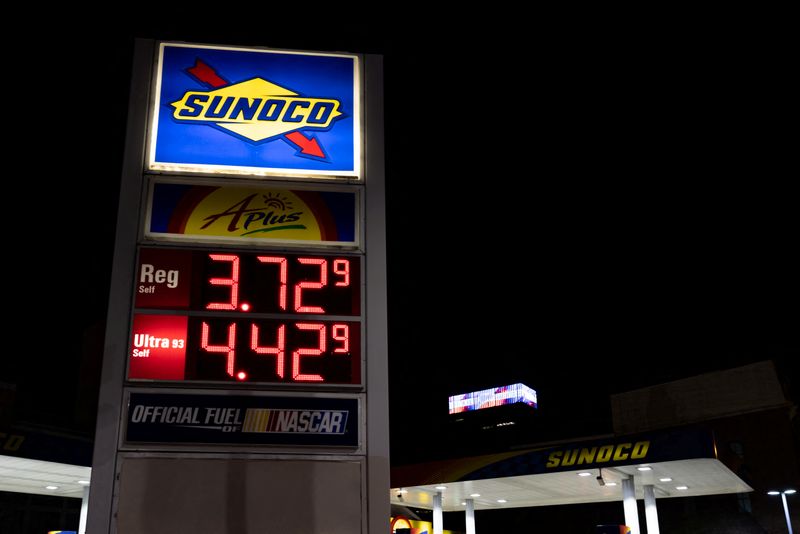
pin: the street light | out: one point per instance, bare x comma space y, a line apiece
783, 495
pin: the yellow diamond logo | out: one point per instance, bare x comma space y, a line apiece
256, 109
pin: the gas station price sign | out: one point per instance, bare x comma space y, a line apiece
264, 317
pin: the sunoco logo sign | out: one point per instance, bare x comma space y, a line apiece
249, 111
257, 110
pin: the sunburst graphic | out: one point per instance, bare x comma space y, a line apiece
276, 201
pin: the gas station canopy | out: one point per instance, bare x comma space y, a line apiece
676, 464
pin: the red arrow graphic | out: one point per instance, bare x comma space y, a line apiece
207, 75
309, 146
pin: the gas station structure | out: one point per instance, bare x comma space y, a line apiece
668, 465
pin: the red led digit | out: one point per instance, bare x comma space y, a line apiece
282, 274
297, 354
299, 287
228, 349
233, 282
342, 268
341, 332
279, 350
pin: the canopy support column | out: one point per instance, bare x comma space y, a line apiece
629, 502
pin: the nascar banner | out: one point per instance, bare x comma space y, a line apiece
242, 419
180, 211
255, 112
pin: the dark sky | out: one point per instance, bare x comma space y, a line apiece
587, 208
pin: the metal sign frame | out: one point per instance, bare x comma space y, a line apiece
373, 452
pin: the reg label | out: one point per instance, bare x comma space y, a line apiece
163, 278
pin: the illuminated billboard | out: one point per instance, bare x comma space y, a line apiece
489, 398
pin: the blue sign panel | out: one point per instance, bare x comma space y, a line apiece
242, 420
259, 112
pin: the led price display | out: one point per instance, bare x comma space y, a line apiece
178, 279
243, 349
246, 317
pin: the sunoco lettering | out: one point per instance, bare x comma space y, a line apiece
11, 442
315, 112
618, 453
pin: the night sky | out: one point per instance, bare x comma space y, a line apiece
586, 208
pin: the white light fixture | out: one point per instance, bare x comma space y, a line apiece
584, 474
83, 482
665, 479
611, 483
463, 504
501, 501
474, 494
51, 487
645, 468
681, 488
402, 491
783, 494
441, 487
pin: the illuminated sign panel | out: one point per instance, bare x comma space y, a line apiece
241, 419
254, 282
246, 317
255, 112
489, 398
252, 215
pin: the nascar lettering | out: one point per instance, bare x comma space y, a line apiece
301, 421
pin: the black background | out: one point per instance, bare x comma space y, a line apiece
587, 201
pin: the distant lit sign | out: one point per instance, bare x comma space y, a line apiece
226, 214
489, 398
255, 112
